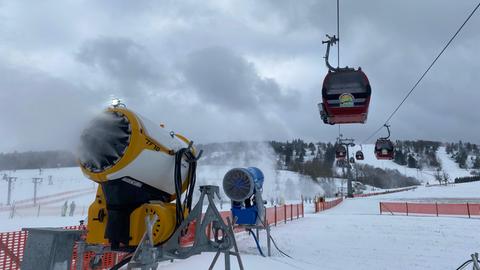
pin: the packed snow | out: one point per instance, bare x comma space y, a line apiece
354, 236
285, 187
424, 176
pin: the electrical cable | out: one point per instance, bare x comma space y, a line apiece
273, 241
124, 261
178, 186
275, 244
256, 242
424, 73
191, 174
465, 264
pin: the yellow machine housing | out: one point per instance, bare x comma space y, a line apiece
133, 161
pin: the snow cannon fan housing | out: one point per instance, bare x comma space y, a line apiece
133, 161
244, 187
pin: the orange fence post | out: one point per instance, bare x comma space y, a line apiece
275, 208
436, 207
468, 209
285, 212
406, 206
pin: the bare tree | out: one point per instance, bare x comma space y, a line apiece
446, 177
438, 176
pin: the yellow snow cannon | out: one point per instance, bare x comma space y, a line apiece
142, 170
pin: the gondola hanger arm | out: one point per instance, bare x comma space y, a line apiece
388, 129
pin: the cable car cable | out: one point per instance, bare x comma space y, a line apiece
424, 73
338, 33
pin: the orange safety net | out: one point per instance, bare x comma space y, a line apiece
12, 244
408, 208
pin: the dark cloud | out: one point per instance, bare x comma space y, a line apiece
41, 112
238, 70
127, 63
226, 79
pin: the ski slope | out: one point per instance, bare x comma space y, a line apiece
281, 186
450, 166
354, 236
63, 179
423, 176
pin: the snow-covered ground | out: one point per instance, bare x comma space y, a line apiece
351, 236
354, 236
280, 185
48, 209
448, 165
370, 159
62, 179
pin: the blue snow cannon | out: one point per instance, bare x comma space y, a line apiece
244, 187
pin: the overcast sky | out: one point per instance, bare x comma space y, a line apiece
232, 70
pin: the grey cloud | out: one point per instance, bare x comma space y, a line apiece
128, 64
185, 63
42, 112
226, 79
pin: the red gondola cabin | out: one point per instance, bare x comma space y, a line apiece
384, 149
346, 97
359, 155
340, 152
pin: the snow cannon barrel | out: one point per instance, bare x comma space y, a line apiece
121, 144
239, 184
244, 187
134, 161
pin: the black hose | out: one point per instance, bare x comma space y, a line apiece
188, 200
275, 244
124, 261
178, 185
256, 242
465, 264
273, 241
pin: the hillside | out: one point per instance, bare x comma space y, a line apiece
354, 236
466, 155
415, 162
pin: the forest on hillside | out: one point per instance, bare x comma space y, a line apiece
466, 154
36, 160
417, 154
314, 159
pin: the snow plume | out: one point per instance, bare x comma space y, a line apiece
219, 158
